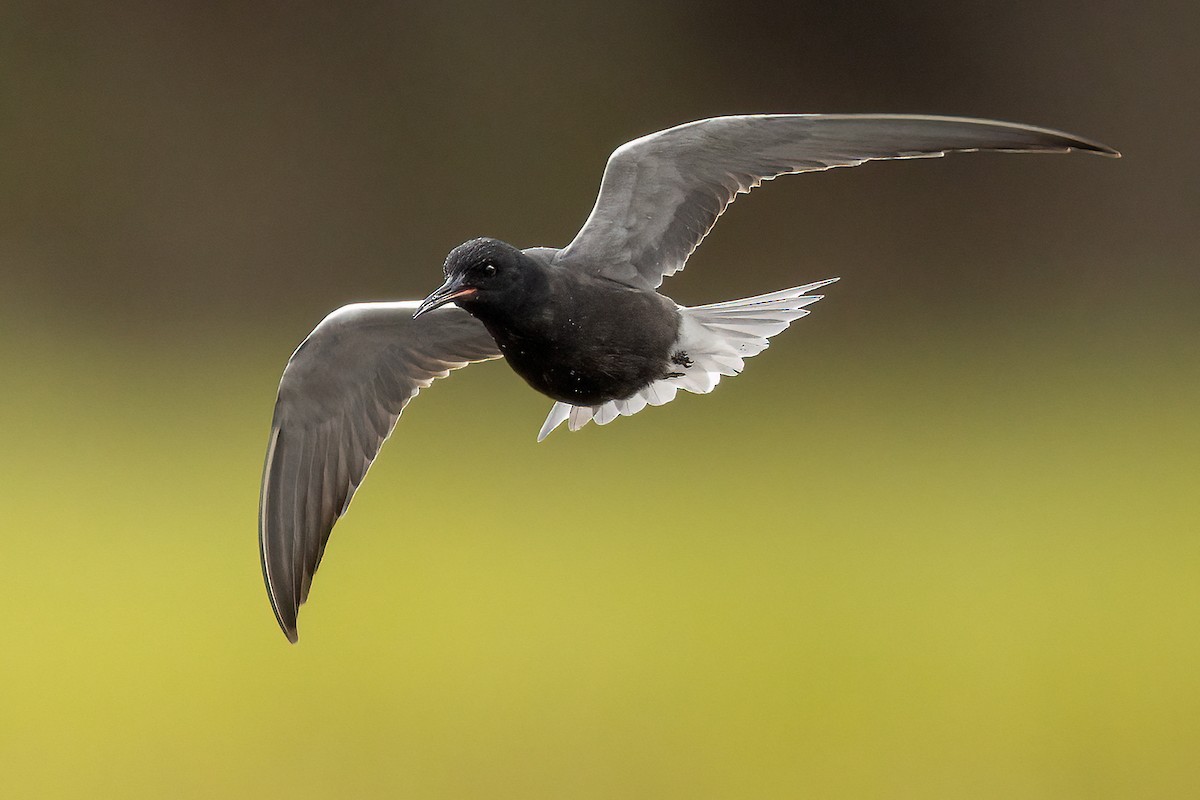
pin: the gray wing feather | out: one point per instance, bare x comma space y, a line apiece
662, 193
340, 396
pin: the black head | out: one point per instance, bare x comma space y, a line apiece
481, 273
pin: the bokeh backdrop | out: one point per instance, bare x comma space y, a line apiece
940, 541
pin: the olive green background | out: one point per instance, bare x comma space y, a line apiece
941, 541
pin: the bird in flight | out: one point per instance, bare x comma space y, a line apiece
583, 325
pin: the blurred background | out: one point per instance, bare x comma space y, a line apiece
940, 541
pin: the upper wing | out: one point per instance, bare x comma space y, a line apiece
662, 193
340, 396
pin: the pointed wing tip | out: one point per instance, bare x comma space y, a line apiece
1088, 146
287, 623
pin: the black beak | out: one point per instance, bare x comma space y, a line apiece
449, 291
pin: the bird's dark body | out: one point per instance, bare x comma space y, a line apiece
579, 338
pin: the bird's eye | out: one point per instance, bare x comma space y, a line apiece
489, 270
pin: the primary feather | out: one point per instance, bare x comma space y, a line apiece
661, 194
340, 396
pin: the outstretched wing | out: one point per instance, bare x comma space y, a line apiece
662, 193
340, 396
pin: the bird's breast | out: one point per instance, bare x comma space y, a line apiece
592, 352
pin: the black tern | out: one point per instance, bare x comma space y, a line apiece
584, 324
